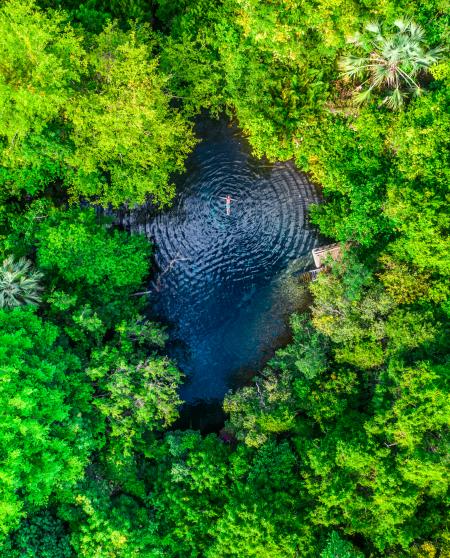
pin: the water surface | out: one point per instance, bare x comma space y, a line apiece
224, 282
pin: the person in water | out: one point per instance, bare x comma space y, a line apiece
228, 199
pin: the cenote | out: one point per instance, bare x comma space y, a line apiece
226, 283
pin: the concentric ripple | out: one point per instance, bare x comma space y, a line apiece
220, 274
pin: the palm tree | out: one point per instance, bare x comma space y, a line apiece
391, 63
19, 285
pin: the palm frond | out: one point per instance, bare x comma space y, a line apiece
363, 96
373, 27
395, 99
19, 284
394, 62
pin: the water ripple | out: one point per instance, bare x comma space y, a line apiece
219, 272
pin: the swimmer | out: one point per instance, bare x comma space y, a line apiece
228, 199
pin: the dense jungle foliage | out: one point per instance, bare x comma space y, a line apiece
339, 447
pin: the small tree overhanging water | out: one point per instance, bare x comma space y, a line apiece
393, 63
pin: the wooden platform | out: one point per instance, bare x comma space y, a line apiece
321, 254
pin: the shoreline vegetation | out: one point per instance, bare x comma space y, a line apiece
339, 446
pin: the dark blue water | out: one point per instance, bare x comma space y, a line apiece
228, 282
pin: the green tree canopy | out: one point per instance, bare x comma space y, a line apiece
94, 118
127, 140
88, 268
45, 441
